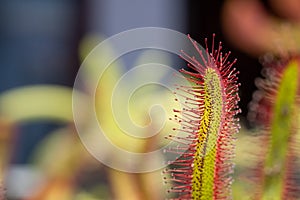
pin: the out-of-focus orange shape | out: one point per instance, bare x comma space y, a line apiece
289, 9
248, 26
56, 189
252, 29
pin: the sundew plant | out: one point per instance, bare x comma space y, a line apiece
208, 119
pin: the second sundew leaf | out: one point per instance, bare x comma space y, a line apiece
280, 132
208, 118
283, 113
278, 91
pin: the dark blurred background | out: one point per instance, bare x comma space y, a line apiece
40, 39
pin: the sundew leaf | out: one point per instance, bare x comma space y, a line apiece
281, 132
204, 170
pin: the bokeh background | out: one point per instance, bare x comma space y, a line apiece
42, 44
